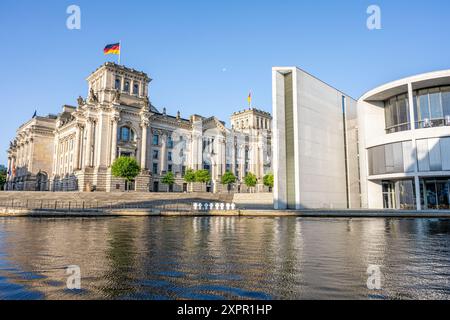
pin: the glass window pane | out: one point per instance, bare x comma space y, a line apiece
408, 157
402, 110
388, 114
445, 153
394, 112
435, 105
422, 155
434, 154
398, 157
446, 103
389, 156
125, 134
424, 107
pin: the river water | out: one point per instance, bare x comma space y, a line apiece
225, 258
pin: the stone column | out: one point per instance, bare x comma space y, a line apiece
76, 160
163, 152
114, 125
88, 149
144, 126
9, 168
223, 147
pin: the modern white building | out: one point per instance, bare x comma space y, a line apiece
404, 129
388, 150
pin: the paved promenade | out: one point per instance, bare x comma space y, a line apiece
96, 204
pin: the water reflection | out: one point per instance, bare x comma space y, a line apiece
224, 257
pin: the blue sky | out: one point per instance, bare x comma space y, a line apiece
205, 56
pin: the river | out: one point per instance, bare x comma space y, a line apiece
224, 258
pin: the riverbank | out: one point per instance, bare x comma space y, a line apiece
66, 213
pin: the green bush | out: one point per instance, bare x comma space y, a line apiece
189, 176
268, 180
3, 173
126, 168
228, 179
202, 176
168, 179
250, 180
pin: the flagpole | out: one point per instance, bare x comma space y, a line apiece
120, 49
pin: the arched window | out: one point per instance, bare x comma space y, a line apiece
136, 88
126, 134
127, 87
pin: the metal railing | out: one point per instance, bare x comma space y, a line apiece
74, 205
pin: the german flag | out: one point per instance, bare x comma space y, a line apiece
112, 49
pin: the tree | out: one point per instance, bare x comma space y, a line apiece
250, 180
126, 168
268, 181
3, 173
189, 176
228, 178
202, 176
168, 179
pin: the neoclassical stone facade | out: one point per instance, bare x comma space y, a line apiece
74, 150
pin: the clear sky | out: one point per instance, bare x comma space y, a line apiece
205, 56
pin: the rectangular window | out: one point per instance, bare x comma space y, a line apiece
118, 84
435, 105
169, 156
183, 170
155, 154
403, 112
434, 154
423, 156
136, 89
445, 153
169, 168
155, 140
446, 101
155, 168
424, 107
169, 142
127, 86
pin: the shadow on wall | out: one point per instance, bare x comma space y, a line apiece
68, 182
25, 180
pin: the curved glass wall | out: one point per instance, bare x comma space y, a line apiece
397, 114
432, 107
391, 158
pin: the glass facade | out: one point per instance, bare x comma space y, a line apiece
391, 158
433, 154
435, 193
397, 114
399, 194
432, 107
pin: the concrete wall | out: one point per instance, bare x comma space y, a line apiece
320, 172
